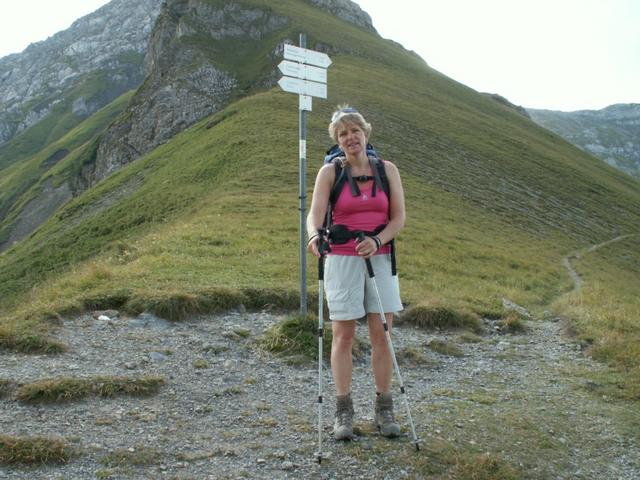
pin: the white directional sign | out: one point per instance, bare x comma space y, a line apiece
303, 87
302, 55
304, 72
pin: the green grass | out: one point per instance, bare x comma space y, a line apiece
5, 387
200, 364
445, 348
135, 456
436, 459
29, 336
33, 450
435, 315
411, 355
60, 390
605, 312
513, 322
440, 459
468, 337
296, 336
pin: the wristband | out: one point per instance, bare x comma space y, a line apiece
312, 238
378, 242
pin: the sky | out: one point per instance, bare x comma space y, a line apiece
555, 54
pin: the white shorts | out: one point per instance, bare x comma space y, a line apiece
349, 290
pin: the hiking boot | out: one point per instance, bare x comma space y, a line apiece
385, 422
343, 427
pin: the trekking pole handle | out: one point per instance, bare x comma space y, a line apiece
323, 248
367, 261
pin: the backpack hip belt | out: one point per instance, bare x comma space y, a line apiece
340, 234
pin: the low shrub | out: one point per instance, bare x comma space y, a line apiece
296, 336
513, 322
24, 341
33, 450
445, 348
68, 389
5, 387
435, 315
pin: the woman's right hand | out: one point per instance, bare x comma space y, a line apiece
312, 246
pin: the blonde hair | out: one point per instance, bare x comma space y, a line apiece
345, 114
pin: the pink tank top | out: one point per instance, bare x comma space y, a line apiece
360, 213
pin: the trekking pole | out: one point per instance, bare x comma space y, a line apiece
323, 247
383, 317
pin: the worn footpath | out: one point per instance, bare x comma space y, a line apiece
230, 410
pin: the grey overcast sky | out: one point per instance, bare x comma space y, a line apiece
556, 54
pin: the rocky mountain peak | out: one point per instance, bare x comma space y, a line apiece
112, 40
610, 134
347, 11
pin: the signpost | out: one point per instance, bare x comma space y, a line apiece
303, 87
305, 73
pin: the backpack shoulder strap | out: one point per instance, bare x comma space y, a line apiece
342, 175
380, 175
380, 171
340, 178
377, 181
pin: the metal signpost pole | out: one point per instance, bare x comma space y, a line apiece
305, 73
303, 196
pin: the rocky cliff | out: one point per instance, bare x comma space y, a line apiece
347, 11
188, 76
612, 134
84, 67
201, 55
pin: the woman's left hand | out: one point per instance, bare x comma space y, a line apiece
367, 247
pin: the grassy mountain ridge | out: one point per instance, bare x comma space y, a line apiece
493, 201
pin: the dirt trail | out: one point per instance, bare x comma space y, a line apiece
244, 413
566, 261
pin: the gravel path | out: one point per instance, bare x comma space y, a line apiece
238, 412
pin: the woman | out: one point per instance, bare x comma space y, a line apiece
349, 291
